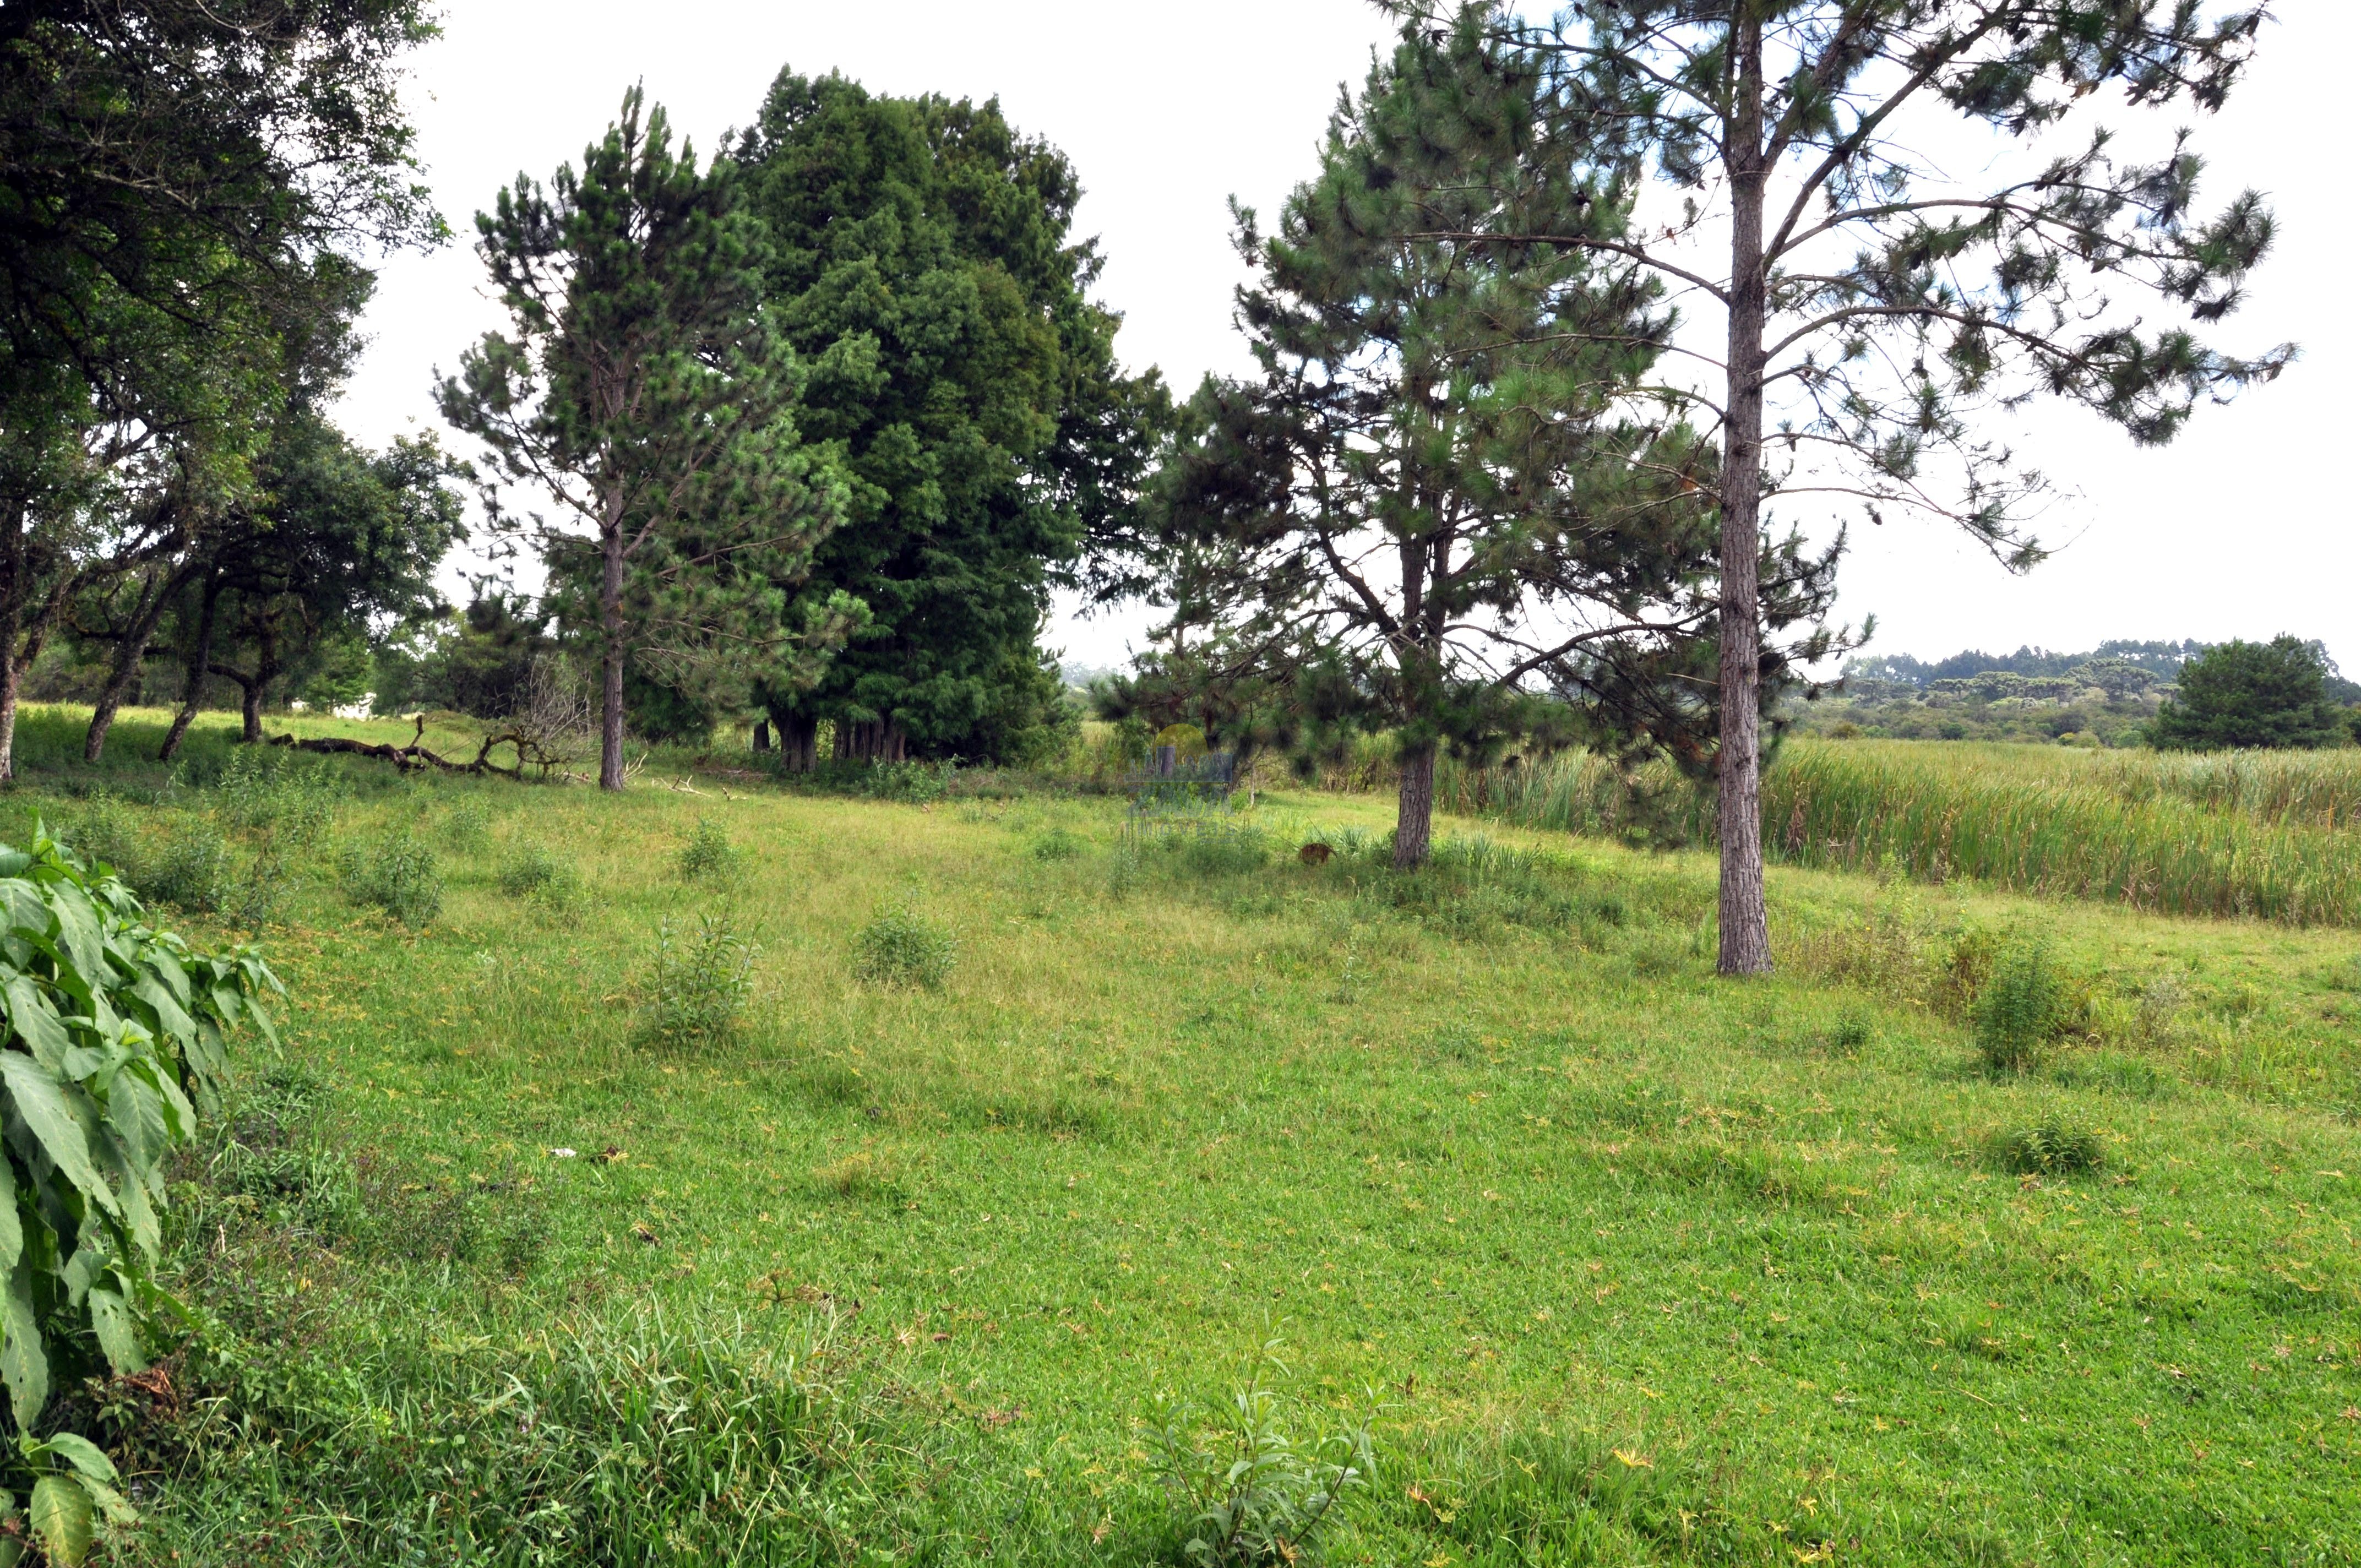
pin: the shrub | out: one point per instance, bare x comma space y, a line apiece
470, 825
1247, 1493
697, 992
192, 872
116, 1038
1851, 1036
2053, 1147
902, 947
105, 832
534, 872
402, 878
269, 789
707, 853
2018, 1012
1057, 844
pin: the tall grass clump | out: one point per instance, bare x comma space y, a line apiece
531, 872
699, 985
270, 790
2019, 1011
902, 947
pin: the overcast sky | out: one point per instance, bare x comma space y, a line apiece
2241, 529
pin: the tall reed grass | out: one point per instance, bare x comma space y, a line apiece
2272, 836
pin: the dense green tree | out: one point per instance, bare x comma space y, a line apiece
641, 386
921, 263
1437, 508
2252, 694
175, 183
1873, 306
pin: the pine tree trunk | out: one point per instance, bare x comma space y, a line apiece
761, 735
130, 655
611, 615
798, 743
200, 663
1414, 813
1745, 922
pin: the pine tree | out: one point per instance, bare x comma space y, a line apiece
1435, 507
641, 385
2240, 694
1875, 308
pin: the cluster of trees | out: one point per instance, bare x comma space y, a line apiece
1484, 478
186, 189
807, 431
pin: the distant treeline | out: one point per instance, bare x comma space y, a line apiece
2162, 660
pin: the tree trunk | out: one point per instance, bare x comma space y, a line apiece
13, 588
1414, 813
200, 663
250, 712
798, 743
611, 618
875, 740
1745, 923
761, 735
130, 655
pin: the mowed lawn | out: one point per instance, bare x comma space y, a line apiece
1505, 1171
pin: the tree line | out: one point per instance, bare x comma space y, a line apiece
1569, 332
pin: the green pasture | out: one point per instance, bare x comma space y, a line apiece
1620, 1262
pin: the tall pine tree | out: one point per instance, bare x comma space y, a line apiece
1435, 508
641, 387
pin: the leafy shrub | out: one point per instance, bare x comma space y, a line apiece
114, 1038
709, 853
698, 990
534, 872
273, 790
1851, 1036
193, 872
402, 878
105, 832
2019, 1011
1246, 1492
2053, 1147
902, 947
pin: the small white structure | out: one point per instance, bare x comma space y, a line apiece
361, 709
297, 704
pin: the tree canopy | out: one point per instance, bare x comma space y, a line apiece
921, 263
2270, 694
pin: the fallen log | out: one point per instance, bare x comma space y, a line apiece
529, 753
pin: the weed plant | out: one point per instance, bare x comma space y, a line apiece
902, 947
470, 825
2053, 1147
699, 985
1247, 1493
1058, 844
400, 876
269, 789
707, 855
191, 871
2019, 1013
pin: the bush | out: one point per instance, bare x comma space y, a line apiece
697, 992
193, 872
269, 789
2018, 1012
116, 1038
402, 878
2053, 1147
709, 853
1248, 1493
105, 833
902, 947
534, 872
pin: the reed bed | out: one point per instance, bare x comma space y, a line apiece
2272, 837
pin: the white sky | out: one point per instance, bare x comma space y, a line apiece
2242, 528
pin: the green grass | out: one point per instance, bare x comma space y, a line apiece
2241, 835
1626, 1263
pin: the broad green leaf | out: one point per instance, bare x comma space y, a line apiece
12, 1228
112, 1320
171, 1016
78, 932
24, 908
24, 1365
34, 1018
61, 1520
85, 1457
42, 1104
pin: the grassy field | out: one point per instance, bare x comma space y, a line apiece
2240, 834
1617, 1262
